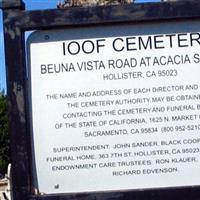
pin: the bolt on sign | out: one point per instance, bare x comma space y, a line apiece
115, 107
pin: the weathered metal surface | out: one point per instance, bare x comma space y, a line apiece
57, 18
16, 77
186, 194
16, 22
8, 4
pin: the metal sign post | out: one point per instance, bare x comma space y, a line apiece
102, 31
15, 59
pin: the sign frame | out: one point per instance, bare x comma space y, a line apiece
16, 22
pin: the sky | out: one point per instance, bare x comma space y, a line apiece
31, 5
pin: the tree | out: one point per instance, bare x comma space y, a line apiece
4, 139
84, 3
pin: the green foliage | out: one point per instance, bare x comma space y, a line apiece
4, 140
